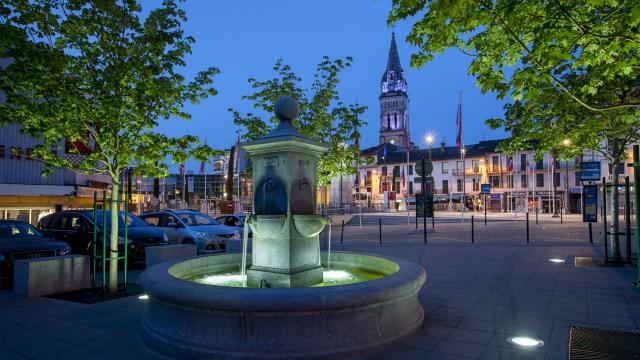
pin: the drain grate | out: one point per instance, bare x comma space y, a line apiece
602, 344
584, 261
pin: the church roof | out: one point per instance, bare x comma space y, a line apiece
393, 61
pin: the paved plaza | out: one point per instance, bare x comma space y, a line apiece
475, 297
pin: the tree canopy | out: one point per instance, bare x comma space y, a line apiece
523, 48
100, 76
323, 115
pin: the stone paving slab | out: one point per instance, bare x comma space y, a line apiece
475, 297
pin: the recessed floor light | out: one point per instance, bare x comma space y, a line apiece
525, 341
556, 260
143, 297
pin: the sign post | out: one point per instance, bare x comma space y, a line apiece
485, 189
424, 203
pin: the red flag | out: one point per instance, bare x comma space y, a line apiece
459, 124
510, 164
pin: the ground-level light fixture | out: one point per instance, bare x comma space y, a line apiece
556, 260
525, 341
143, 297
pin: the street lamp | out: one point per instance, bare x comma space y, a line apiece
429, 141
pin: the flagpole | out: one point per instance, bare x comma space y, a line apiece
515, 183
206, 204
238, 170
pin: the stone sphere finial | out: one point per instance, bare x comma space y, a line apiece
287, 108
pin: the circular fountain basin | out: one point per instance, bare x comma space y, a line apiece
191, 320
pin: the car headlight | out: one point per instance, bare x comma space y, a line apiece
236, 235
202, 234
64, 251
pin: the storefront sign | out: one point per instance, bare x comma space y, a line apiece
495, 196
590, 171
82, 191
590, 203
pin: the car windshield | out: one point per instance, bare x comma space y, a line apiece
132, 220
17, 230
197, 219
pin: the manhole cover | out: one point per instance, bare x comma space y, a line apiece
590, 343
583, 261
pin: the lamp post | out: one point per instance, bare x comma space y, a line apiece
566, 143
462, 201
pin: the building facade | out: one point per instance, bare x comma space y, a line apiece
518, 183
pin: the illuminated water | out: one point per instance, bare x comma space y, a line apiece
331, 278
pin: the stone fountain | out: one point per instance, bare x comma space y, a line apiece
284, 308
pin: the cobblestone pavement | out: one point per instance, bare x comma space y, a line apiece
476, 295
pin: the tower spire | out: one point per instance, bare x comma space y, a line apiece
393, 61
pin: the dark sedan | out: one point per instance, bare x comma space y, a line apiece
19, 240
76, 228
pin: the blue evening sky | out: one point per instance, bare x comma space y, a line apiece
244, 39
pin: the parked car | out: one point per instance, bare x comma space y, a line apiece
76, 228
19, 240
192, 227
235, 221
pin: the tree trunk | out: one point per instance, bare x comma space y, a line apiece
614, 239
113, 240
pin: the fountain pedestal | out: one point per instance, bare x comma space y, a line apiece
286, 248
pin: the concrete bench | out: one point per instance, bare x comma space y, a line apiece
51, 275
157, 254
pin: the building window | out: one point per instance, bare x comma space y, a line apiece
539, 165
410, 187
476, 185
396, 171
495, 163
494, 181
445, 186
459, 185
459, 167
577, 178
524, 181
510, 181
410, 171
388, 121
556, 179
395, 121
384, 171
445, 167
539, 180
368, 179
2, 151
475, 165
523, 162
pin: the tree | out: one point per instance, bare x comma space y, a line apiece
543, 125
323, 116
95, 73
540, 42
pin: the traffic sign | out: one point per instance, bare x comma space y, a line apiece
419, 179
485, 189
590, 171
428, 167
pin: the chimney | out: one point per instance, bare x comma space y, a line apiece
442, 145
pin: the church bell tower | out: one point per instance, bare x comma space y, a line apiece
394, 102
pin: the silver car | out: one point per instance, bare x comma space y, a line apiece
235, 221
192, 227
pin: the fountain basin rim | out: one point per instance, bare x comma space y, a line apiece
160, 285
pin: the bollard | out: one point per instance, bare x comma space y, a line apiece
416, 223
590, 233
342, 232
380, 229
472, 234
561, 211
536, 215
433, 221
527, 228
